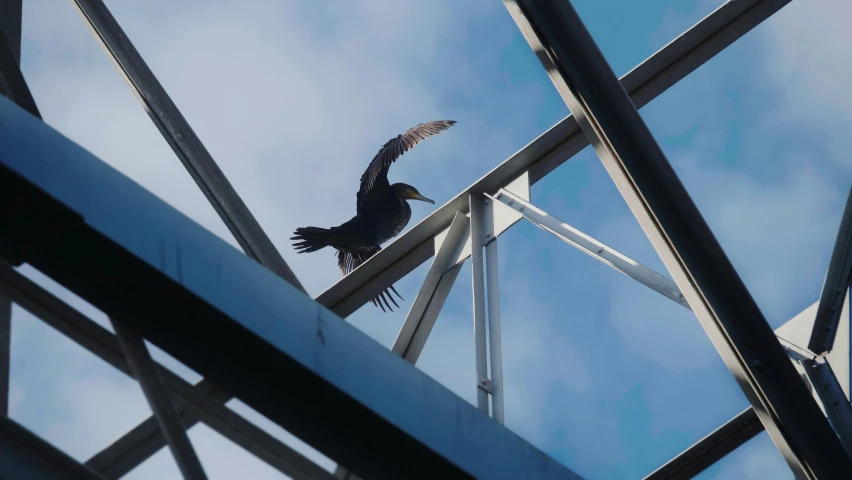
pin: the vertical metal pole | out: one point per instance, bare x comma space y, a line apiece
146, 374
5, 350
494, 337
476, 241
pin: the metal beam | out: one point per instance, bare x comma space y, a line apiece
90, 228
183, 140
652, 77
430, 316
710, 449
201, 402
13, 85
145, 371
595, 249
679, 234
417, 324
477, 270
495, 337
834, 287
25, 456
10, 25
831, 395
741, 428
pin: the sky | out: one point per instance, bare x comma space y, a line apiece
293, 98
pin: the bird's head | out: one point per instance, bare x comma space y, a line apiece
407, 192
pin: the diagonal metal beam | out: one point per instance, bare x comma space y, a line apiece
595, 249
658, 73
183, 140
185, 143
710, 449
202, 402
834, 287
834, 402
430, 300
379, 415
26, 456
681, 237
418, 324
12, 82
734, 432
145, 371
146, 438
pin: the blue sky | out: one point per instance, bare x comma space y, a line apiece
293, 98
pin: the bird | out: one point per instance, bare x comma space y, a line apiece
382, 210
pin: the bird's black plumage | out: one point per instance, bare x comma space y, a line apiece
382, 210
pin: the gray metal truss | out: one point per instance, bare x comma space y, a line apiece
835, 287
449, 235
682, 239
200, 402
65, 213
644, 83
831, 391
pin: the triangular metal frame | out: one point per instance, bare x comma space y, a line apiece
473, 218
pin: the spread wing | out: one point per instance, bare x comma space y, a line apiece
377, 172
350, 261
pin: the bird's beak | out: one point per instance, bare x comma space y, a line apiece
417, 196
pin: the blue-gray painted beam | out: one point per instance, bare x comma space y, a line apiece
137, 259
25, 456
11, 12
681, 237
5, 350
834, 287
655, 75
203, 401
187, 146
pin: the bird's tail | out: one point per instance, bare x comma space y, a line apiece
311, 239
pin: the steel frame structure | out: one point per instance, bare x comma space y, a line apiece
810, 421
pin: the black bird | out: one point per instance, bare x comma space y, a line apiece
382, 210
